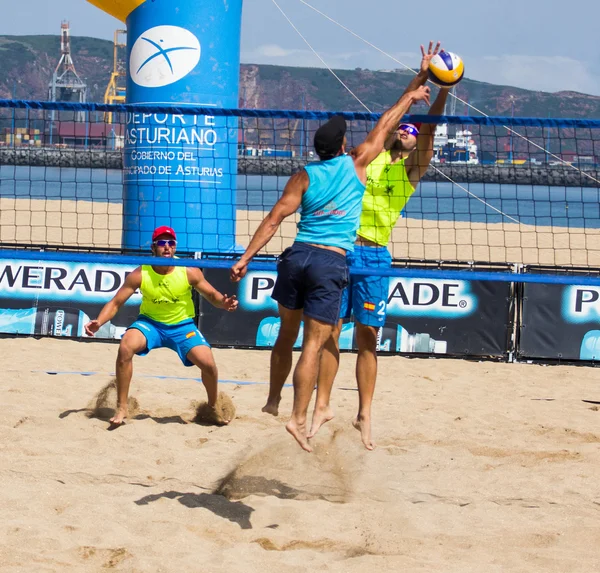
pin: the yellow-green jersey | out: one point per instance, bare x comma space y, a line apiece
166, 298
388, 190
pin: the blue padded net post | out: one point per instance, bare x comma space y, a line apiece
180, 170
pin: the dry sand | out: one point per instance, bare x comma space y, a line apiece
480, 467
95, 224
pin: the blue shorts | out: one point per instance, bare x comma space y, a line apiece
180, 337
312, 279
366, 296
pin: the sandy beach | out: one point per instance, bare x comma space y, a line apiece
96, 224
478, 467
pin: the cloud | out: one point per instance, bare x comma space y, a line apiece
272, 51
543, 73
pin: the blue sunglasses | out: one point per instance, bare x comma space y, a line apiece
409, 129
165, 242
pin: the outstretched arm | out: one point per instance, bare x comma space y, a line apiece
388, 122
110, 309
418, 162
197, 280
288, 203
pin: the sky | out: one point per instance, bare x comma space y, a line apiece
523, 43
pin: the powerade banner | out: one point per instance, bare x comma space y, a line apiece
459, 317
180, 169
560, 322
57, 298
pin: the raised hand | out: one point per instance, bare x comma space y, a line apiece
426, 57
422, 94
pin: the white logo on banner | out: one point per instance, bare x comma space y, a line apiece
581, 304
163, 55
435, 297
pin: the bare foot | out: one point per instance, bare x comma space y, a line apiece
119, 417
320, 417
207, 415
216, 417
299, 433
272, 407
363, 425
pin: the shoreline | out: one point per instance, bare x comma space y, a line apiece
498, 174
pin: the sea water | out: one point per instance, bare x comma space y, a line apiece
573, 207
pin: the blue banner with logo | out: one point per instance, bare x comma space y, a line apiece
560, 322
57, 298
423, 316
180, 169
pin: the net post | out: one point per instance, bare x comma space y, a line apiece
180, 170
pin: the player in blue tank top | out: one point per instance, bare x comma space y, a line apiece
312, 273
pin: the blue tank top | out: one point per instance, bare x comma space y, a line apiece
332, 204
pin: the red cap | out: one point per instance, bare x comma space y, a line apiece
164, 230
418, 125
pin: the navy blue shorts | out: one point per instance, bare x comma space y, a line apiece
312, 279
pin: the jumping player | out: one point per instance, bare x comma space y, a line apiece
391, 180
312, 273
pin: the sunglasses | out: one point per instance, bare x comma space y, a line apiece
165, 242
409, 129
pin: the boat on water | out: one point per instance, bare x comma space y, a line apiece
458, 148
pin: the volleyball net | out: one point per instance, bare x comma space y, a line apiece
498, 190
496, 253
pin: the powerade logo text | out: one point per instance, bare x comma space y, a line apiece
63, 281
58, 322
255, 291
581, 304
410, 297
407, 297
163, 55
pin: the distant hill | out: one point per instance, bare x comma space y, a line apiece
27, 64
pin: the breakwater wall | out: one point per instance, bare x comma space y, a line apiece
561, 176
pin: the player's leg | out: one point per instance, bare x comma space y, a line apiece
316, 334
194, 350
134, 341
203, 358
330, 362
289, 294
369, 309
281, 357
366, 376
325, 276
328, 367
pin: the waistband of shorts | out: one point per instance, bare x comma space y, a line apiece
360, 241
308, 247
370, 249
144, 318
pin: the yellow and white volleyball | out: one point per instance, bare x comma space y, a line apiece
446, 69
